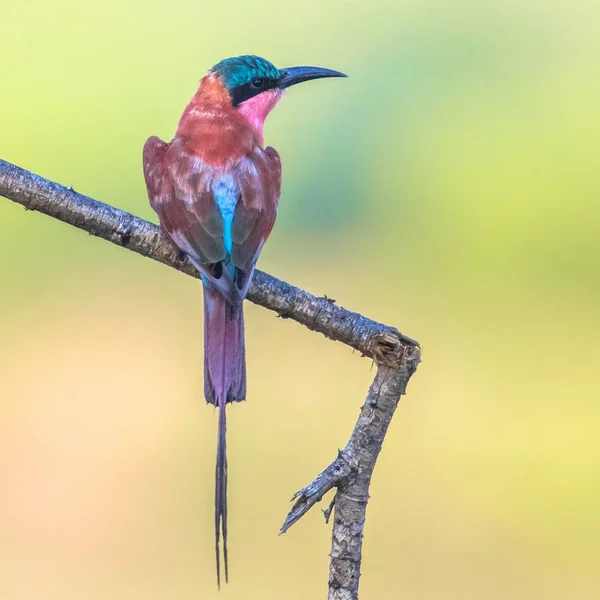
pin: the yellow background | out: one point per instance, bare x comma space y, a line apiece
450, 186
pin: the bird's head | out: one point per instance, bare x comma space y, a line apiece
246, 77
255, 85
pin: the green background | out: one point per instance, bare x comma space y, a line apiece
450, 187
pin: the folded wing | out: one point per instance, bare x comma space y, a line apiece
180, 188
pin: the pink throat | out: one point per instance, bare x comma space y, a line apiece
255, 110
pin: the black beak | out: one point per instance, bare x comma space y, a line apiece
294, 75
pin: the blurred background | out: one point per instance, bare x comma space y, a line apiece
449, 187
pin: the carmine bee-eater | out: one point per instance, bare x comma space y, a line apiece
216, 190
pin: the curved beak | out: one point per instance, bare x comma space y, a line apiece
294, 75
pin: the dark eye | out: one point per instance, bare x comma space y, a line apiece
257, 82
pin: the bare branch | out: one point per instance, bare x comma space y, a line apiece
396, 355
380, 342
351, 474
333, 476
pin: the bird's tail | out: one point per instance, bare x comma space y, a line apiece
224, 381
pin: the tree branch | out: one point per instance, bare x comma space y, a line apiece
396, 355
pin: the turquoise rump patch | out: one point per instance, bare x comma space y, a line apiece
226, 193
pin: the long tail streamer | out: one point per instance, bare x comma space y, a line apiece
224, 381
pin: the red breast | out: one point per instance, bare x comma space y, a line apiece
212, 129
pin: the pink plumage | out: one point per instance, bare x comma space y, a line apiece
216, 189
216, 143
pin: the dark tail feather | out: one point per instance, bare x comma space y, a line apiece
224, 381
221, 494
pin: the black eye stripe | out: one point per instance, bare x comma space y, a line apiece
251, 89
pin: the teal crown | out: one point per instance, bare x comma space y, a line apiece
241, 70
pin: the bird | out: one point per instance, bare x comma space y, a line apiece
216, 189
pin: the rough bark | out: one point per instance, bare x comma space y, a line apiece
395, 354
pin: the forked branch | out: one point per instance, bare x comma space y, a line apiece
395, 354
